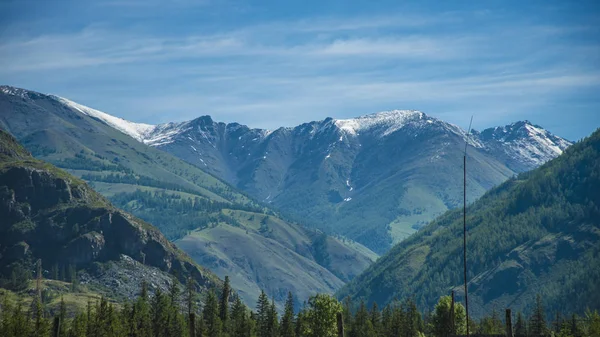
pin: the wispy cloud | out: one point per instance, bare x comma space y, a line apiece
285, 72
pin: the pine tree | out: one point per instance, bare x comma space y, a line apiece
159, 311
375, 317
287, 321
142, 325
238, 318
20, 325
520, 326
262, 315
413, 325
224, 303
398, 320
362, 325
557, 324
491, 325
211, 315
190, 297
300, 328
537, 321
273, 321
386, 318
176, 322
62, 316
347, 313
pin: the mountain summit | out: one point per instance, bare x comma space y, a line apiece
375, 178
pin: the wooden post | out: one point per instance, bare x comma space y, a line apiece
340, 324
452, 314
509, 329
192, 324
56, 327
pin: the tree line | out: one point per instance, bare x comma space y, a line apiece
174, 313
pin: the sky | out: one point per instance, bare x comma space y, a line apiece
273, 63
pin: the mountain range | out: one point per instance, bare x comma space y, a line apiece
236, 200
187, 204
536, 234
375, 179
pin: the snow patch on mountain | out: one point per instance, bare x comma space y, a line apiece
164, 134
135, 130
390, 121
13, 91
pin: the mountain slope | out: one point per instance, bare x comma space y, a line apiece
267, 253
173, 195
50, 215
537, 233
375, 179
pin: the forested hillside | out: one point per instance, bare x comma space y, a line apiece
56, 224
536, 233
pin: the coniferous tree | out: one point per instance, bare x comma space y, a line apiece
20, 325
176, 321
273, 321
520, 326
398, 319
557, 324
190, 297
537, 321
574, 326
211, 315
238, 322
160, 313
347, 312
142, 325
375, 317
262, 315
301, 328
413, 322
287, 321
224, 303
386, 318
62, 316
362, 325
491, 325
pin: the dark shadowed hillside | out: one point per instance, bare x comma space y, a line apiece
50, 215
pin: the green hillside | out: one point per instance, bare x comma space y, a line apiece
538, 233
50, 215
153, 185
262, 252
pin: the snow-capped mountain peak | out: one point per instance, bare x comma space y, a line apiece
523, 143
391, 121
135, 130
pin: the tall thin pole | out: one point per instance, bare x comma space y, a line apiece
465, 223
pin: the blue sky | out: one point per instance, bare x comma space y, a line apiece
280, 63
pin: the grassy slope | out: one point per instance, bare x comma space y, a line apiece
538, 233
277, 258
